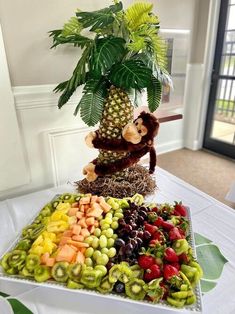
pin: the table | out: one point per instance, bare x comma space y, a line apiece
211, 219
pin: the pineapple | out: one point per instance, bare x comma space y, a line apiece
117, 112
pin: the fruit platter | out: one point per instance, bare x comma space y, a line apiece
125, 249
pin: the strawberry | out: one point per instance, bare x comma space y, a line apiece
158, 222
176, 265
174, 234
146, 261
169, 271
152, 272
150, 228
180, 209
170, 255
167, 225
165, 289
183, 258
155, 209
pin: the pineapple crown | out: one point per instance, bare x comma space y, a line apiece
126, 51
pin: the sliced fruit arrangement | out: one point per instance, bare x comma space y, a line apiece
122, 246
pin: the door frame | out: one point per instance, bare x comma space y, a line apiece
208, 142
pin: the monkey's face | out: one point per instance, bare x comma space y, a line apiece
133, 132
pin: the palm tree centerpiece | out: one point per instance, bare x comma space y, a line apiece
124, 57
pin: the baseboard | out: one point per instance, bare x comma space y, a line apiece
169, 147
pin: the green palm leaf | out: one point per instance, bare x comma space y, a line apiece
107, 51
99, 19
72, 27
75, 39
78, 78
91, 103
130, 74
140, 13
154, 94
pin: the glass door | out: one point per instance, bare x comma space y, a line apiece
220, 124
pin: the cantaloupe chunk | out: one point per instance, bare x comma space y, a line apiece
76, 229
80, 215
95, 210
106, 207
96, 223
78, 238
73, 247
82, 250
90, 221
78, 244
44, 257
91, 229
82, 222
72, 211
80, 258
86, 207
100, 199
50, 261
75, 204
68, 233
64, 240
85, 233
66, 254
85, 200
94, 198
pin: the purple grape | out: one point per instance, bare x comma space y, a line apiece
147, 235
134, 233
129, 249
139, 241
128, 228
141, 234
119, 287
119, 242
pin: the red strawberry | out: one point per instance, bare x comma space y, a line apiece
158, 222
169, 271
167, 225
176, 265
150, 228
174, 234
180, 209
183, 258
165, 288
152, 272
146, 261
155, 209
170, 255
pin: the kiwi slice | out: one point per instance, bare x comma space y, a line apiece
74, 271
32, 260
126, 273
74, 285
36, 231
91, 278
26, 273
4, 261
102, 268
105, 285
137, 272
12, 271
45, 212
60, 271
42, 273
24, 245
17, 259
55, 204
68, 198
114, 273
134, 289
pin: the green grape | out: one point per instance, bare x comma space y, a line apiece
95, 243
88, 261
111, 252
115, 219
100, 217
115, 236
102, 260
119, 215
96, 254
110, 242
89, 252
103, 241
118, 211
104, 250
109, 233
105, 226
108, 215
108, 220
97, 232
114, 225
89, 240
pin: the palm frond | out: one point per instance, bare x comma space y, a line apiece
107, 51
72, 27
75, 39
130, 74
91, 103
140, 13
99, 19
78, 78
154, 94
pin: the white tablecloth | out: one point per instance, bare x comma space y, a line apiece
211, 218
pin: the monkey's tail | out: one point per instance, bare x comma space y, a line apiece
153, 159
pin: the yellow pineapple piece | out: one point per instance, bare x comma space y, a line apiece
38, 241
